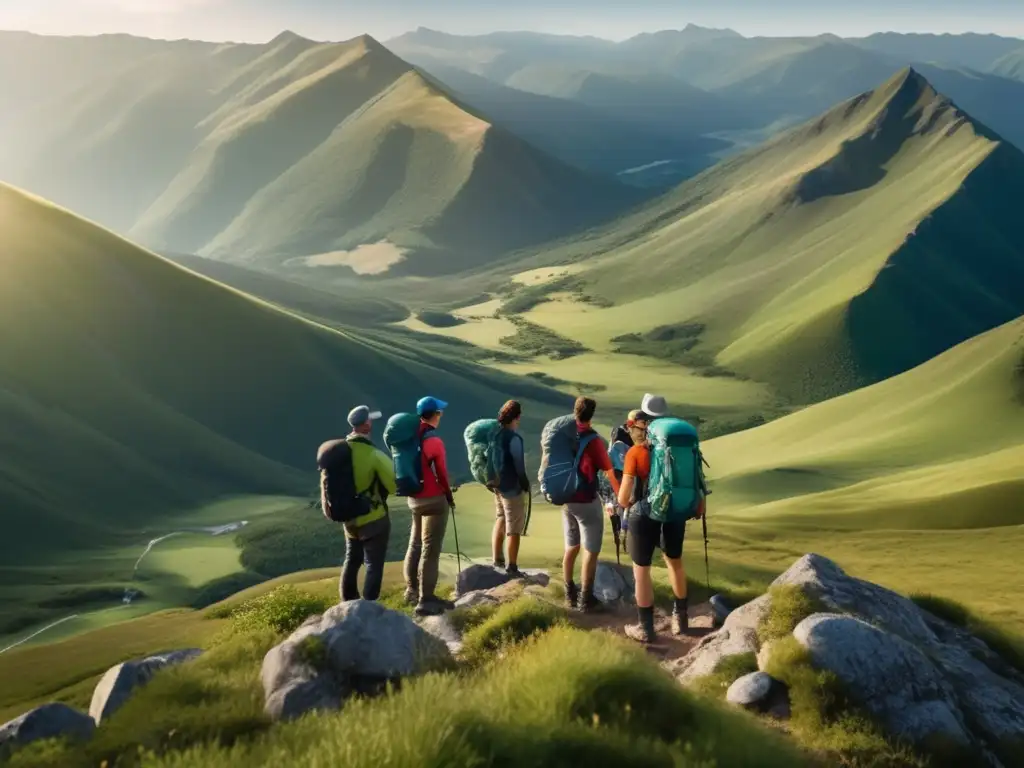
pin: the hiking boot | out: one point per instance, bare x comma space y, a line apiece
429, 608
572, 594
680, 617
513, 572
498, 564
640, 633
588, 603
643, 630
411, 598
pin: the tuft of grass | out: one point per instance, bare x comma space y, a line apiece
394, 598
579, 698
510, 624
1007, 646
726, 672
468, 618
789, 606
283, 610
824, 719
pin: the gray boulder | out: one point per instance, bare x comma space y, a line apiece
480, 577
610, 586
475, 598
889, 676
357, 647
738, 635
442, 628
750, 691
121, 681
49, 721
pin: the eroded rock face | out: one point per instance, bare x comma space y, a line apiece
50, 721
120, 682
356, 647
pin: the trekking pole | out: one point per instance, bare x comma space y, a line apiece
529, 510
458, 552
707, 569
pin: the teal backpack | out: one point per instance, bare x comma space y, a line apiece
486, 453
676, 487
402, 438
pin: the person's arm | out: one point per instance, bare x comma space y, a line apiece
434, 448
519, 460
603, 462
386, 472
625, 492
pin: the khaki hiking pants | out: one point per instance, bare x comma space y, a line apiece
426, 538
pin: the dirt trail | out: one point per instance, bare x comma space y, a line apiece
668, 646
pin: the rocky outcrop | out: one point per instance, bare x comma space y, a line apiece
922, 677
479, 577
121, 681
50, 721
738, 635
357, 647
762, 693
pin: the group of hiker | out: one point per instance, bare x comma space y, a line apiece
648, 481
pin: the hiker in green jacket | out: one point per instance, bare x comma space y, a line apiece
512, 496
367, 536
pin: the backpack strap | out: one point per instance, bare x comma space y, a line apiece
581, 446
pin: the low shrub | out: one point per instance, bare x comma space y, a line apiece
509, 624
283, 610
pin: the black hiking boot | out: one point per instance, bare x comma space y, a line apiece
498, 564
642, 632
572, 594
430, 607
513, 572
680, 617
588, 603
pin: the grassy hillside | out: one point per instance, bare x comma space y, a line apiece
846, 250
137, 394
1011, 65
293, 149
938, 447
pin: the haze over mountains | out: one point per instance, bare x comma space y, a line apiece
289, 150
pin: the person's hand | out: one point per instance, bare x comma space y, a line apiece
610, 509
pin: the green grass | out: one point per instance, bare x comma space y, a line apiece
510, 624
580, 695
280, 611
726, 672
535, 340
789, 606
1007, 645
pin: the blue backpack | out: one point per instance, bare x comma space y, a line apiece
402, 438
486, 451
676, 488
562, 448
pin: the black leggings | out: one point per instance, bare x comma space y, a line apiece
373, 551
646, 535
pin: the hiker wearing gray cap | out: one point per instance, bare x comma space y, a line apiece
355, 481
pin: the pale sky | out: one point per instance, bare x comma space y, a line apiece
259, 20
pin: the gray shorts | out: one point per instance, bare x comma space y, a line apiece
586, 518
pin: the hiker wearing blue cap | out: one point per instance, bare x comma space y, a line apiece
355, 481
430, 508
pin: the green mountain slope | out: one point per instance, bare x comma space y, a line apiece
971, 50
940, 446
134, 391
846, 250
292, 149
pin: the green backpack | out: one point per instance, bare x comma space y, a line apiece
486, 453
676, 488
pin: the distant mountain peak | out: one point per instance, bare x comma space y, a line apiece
289, 37
697, 30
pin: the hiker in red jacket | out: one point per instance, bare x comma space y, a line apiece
430, 508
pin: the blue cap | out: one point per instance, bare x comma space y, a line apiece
430, 405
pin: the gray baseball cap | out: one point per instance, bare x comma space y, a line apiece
361, 414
